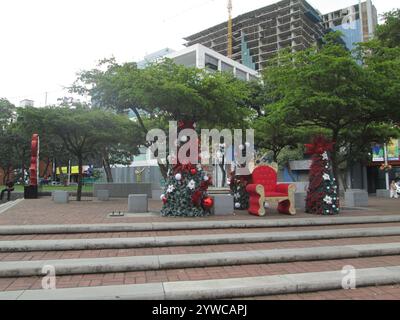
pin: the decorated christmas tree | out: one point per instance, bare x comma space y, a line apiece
185, 193
238, 183
238, 186
322, 195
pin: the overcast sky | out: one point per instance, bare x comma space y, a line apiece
45, 42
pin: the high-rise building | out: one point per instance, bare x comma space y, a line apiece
259, 34
355, 27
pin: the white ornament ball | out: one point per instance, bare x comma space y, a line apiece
266, 205
241, 147
247, 144
184, 139
178, 177
206, 178
162, 196
237, 205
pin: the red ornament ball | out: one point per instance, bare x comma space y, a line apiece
207, 203
164, 200
193, 172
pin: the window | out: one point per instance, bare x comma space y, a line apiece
211, 63
240, 74
226, 67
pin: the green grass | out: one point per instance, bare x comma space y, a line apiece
88, 188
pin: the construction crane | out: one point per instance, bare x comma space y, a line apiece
230, 40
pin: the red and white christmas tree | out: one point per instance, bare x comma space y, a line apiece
322, 196
185, 194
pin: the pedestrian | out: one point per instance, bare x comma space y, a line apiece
8, 189
393, 190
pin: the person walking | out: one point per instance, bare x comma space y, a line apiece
393, 190
8, 189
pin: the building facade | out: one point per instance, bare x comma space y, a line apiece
261, 33
356, 26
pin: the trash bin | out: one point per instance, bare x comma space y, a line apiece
31, 192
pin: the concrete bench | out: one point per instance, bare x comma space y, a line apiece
383, 193
103, 195
223, 204
60, 196
356, 198
137, 203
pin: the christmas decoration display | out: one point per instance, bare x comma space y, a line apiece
238, 183
238, 186
322, 196
186, 188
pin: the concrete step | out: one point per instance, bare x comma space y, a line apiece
216, 288
161, 262
190, 240
194, 225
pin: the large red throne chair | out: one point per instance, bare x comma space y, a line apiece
265, 189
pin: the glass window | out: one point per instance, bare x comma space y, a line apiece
226, 67
211, 62
240, 74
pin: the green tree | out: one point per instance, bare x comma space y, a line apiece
389, 32
84, 133
326, 87
167, 91
7, 112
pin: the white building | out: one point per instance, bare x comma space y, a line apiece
202, 57
26, 103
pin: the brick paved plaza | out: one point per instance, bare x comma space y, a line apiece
44, 212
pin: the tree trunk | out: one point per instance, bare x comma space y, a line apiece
107, 170
46, 168
335, 166
164, 170
80, 175
55, 169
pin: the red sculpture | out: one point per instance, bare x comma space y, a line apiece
34, 166
265, 190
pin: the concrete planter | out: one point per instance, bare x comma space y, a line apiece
61, 197
137, 203
223, 204
356, 198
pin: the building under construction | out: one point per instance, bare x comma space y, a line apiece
259, 34
254, 37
